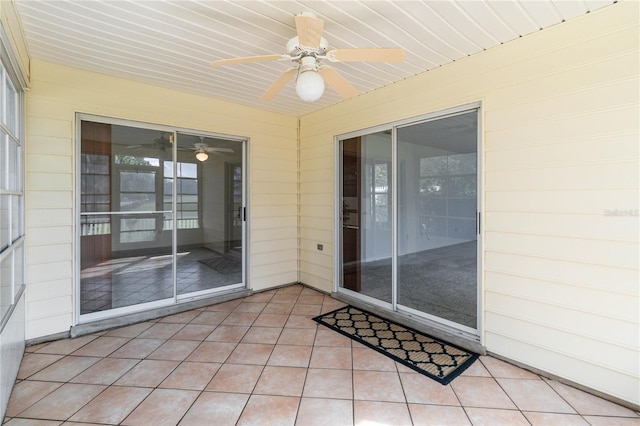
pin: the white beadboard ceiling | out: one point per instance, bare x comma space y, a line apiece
171, 43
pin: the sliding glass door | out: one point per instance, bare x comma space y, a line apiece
156, 216
408, 217
210, 213
366, 215
437, 193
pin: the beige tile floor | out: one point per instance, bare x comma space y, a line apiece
261, 360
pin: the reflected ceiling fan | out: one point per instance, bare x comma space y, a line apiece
162, 143
202, 150
306, 50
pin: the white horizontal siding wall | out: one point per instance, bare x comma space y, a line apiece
57, 94
273, 210
560, 161
49, 221
316, 213
561, 157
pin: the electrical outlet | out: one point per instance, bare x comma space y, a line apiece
320, 247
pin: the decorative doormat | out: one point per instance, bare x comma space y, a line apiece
434, 358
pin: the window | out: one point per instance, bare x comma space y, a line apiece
11, 193
137, 194
96, 190
137, 190
380, 192
187, 194
448, 195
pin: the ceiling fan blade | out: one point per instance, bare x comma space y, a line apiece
367, 55
309, 30
277, 85
214, 149
340, 84
261, 58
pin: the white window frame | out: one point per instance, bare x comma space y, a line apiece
12, 256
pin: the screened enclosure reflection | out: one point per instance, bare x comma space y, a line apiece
156, 222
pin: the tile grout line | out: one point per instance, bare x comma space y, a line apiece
244, 408
199, 393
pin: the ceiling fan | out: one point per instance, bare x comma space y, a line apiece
306, 50
202, 150
162, 143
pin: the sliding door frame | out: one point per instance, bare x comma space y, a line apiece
176, 298
338, 254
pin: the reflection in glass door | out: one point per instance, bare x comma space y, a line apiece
154, 215
208, 201
437, 238
421, 257
366, 215
126, 255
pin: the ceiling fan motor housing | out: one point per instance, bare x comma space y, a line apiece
295, 49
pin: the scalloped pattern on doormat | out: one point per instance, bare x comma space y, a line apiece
434, 358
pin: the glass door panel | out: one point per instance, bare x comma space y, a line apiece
162, 216
428, 266
209, 208
366, 221
437, 202
126, 256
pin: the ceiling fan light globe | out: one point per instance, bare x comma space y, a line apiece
310, 86
202, 156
